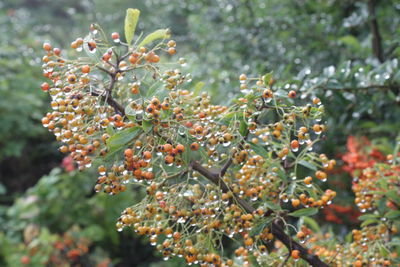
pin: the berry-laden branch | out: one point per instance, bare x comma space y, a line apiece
276, 229
253, 145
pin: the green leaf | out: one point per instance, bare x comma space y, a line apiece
307, 165
131, 19
369, 221
383, 250
259, 227
273, 206
291, 188
243, 129
267, 78
93, 232
349, 237
393, 214
312, 223
393, 196
351, 42
259, 150
158, 34
253, 260
123, 137
110, 130
146, 125
130, 113
367, 217
304, 212
197, 88
153, 89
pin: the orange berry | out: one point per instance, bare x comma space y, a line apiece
115, 35
167, 147
308, 180
47, 46
292, 94
180, 148
295, 203
133, 59
85, 69
194, 146
171, 51
147, 154
79, 41
91, 45
295, 254
74, 45
316, 101
169, 159
128, 153
171, 43
267, 93
321, 175
300, 235
71, 78
150, 108
294, 144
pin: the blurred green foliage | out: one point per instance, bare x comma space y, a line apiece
318, 47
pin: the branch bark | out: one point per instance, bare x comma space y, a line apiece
118, 108
376, 35
276, 229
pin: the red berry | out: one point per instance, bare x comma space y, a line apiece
45, 87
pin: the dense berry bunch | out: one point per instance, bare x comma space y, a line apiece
210, 172
376, 181
41, 248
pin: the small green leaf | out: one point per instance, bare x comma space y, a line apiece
110, 130
393, 214
273, 206
312, 223
383, 250
259, 227
291, 188
394, 196
259, 150
197, 88
369, 221
146, 125
307, 165
267, 78
253, 260
367, 217
349, 237
158, 34
304, 212
123, 137
243, 129
131, 19
153, 89
351, 42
